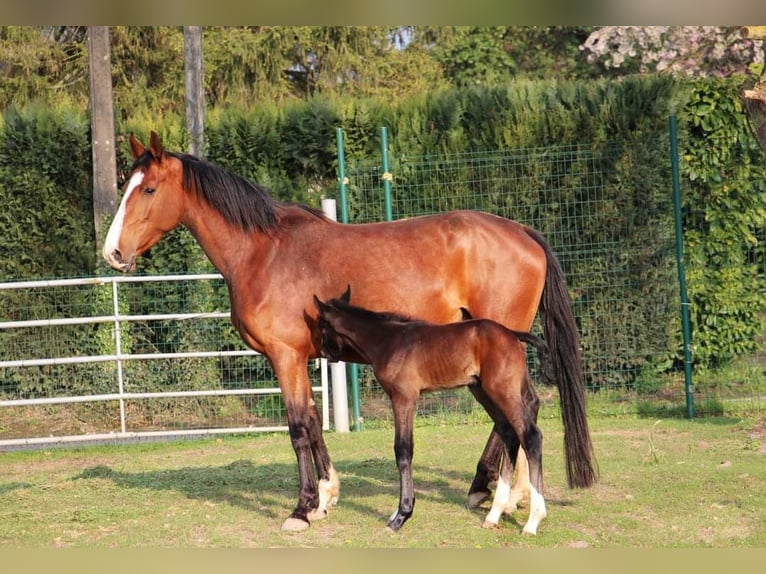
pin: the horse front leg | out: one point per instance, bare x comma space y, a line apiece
329, 483
404, 414
305, 436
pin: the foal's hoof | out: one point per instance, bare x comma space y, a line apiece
295, 525
317, 514
490, 525
475, 499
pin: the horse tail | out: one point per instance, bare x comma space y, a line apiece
560, 332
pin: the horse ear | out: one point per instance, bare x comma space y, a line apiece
136, 147
155, 146
346, 297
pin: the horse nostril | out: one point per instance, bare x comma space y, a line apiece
117, 256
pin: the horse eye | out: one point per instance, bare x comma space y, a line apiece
149, 190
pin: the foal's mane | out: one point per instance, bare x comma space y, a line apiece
241, 202
371, 316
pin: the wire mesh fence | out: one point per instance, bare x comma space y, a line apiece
607, 212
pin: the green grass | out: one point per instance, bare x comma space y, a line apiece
664, 483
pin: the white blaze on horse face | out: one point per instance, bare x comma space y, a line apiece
115, 230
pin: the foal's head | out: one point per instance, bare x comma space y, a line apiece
331, 343
342, 325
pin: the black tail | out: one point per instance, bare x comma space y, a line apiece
560, 332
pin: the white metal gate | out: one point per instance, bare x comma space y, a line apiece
19, 390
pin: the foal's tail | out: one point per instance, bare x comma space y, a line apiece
546, 373
560, 332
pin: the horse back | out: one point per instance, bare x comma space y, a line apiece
430, 266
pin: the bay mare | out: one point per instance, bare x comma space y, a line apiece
274, 256
410, 356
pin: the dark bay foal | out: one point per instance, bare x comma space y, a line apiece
410, 356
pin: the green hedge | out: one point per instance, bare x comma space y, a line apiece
617, 127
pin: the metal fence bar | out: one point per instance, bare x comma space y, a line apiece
107, 280
120, 358
123, 357
109, 318
128, 396
138, 435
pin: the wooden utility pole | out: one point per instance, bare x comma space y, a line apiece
102, 128
195, 89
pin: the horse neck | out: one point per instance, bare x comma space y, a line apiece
226, 245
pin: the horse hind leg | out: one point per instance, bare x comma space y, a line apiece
488, 467
502, 494
521, 488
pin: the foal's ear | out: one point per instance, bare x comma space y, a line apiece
155, 146
346, 297
136, 147
318, 304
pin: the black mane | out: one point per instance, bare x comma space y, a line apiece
241, 202
371, 316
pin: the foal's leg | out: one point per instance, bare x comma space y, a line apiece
532, 440
520, 409
404, 414
522, 488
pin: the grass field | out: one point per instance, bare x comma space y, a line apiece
664, 483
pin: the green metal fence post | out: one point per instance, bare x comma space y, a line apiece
353, 369
387, 177
681, 272
342, 179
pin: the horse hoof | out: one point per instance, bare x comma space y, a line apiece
490, 525
476, 498
529, 532
317, 514
295, 525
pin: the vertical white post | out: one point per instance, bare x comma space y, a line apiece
337, 370
325, 378
118, 353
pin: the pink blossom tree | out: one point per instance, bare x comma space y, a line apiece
683, 50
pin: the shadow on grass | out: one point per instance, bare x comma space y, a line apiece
264, 488
6, 488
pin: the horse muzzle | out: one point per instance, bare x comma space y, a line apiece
116, 261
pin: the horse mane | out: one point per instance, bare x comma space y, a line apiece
241, 202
